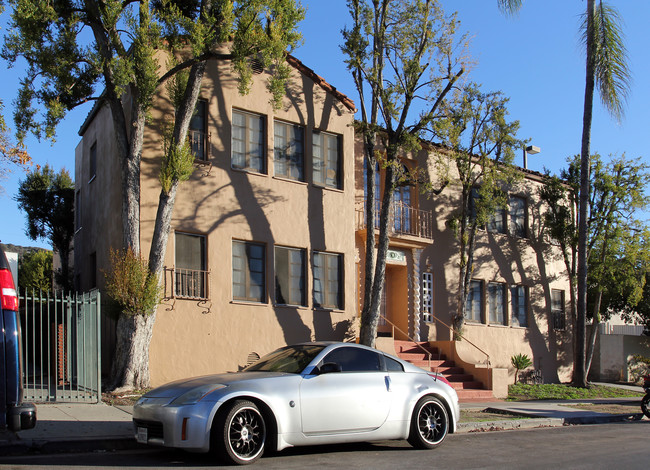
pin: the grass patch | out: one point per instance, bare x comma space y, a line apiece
565, 392
474, 415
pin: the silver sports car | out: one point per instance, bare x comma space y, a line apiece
306, 394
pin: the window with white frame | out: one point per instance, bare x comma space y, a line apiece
557, 309
517, 210
289, 276
288, 150
326, 156
427, 297
248, 270
328, 280
496, 302
519, 306
247, 152
474, 302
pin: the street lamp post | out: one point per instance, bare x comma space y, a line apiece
532, 150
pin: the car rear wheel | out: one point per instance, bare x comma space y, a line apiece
239, 433
429, 424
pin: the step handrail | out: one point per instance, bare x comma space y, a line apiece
458, 334
428, 353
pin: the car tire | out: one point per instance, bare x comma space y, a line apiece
429, 423
239, 433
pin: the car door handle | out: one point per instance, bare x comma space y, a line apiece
387, 380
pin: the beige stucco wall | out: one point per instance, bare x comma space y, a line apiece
498, 258
612, 353
225, 204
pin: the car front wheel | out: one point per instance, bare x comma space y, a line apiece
239, 433
429, 424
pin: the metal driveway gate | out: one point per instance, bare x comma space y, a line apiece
61, 347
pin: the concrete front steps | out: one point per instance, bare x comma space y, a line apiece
468, 389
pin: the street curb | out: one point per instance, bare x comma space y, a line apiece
531, 423
59, 446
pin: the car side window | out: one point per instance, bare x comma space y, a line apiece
392, 365
354, 359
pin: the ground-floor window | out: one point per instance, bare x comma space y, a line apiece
519, 305
289, 276
557, 309
474, 302
328, 280
190, 266
248, 268
497, 297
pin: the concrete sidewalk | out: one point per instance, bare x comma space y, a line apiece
68, 427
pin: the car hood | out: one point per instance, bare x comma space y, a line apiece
177, 388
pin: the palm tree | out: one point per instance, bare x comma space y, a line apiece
607, 69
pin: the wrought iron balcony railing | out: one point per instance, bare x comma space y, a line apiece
186, 283
403, 219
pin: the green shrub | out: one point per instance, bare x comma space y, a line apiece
131, 284
520, 362
639, 366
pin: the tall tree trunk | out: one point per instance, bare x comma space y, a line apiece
130, 369
594, 333
580, 376
366, 330
368, 334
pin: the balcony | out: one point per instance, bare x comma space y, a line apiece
186, 284
404, 220
199, 143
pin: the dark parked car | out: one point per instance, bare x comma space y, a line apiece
14, 414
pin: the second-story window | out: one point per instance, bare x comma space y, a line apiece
289, 150
497, 221
92, 171
518, 226
402, 210
197, 132
247, 141
326, 149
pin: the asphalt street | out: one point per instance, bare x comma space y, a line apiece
615, 445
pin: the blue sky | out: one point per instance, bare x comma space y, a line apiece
535, 58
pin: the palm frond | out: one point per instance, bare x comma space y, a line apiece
612, 74
510, 7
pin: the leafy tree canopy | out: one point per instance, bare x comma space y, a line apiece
74, 48
35, 271
47, 198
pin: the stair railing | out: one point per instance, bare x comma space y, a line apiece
458, 334
395, 327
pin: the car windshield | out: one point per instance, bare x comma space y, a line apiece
291, 359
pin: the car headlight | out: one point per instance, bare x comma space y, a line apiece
195, 395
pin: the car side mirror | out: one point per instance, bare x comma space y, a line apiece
328, 368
